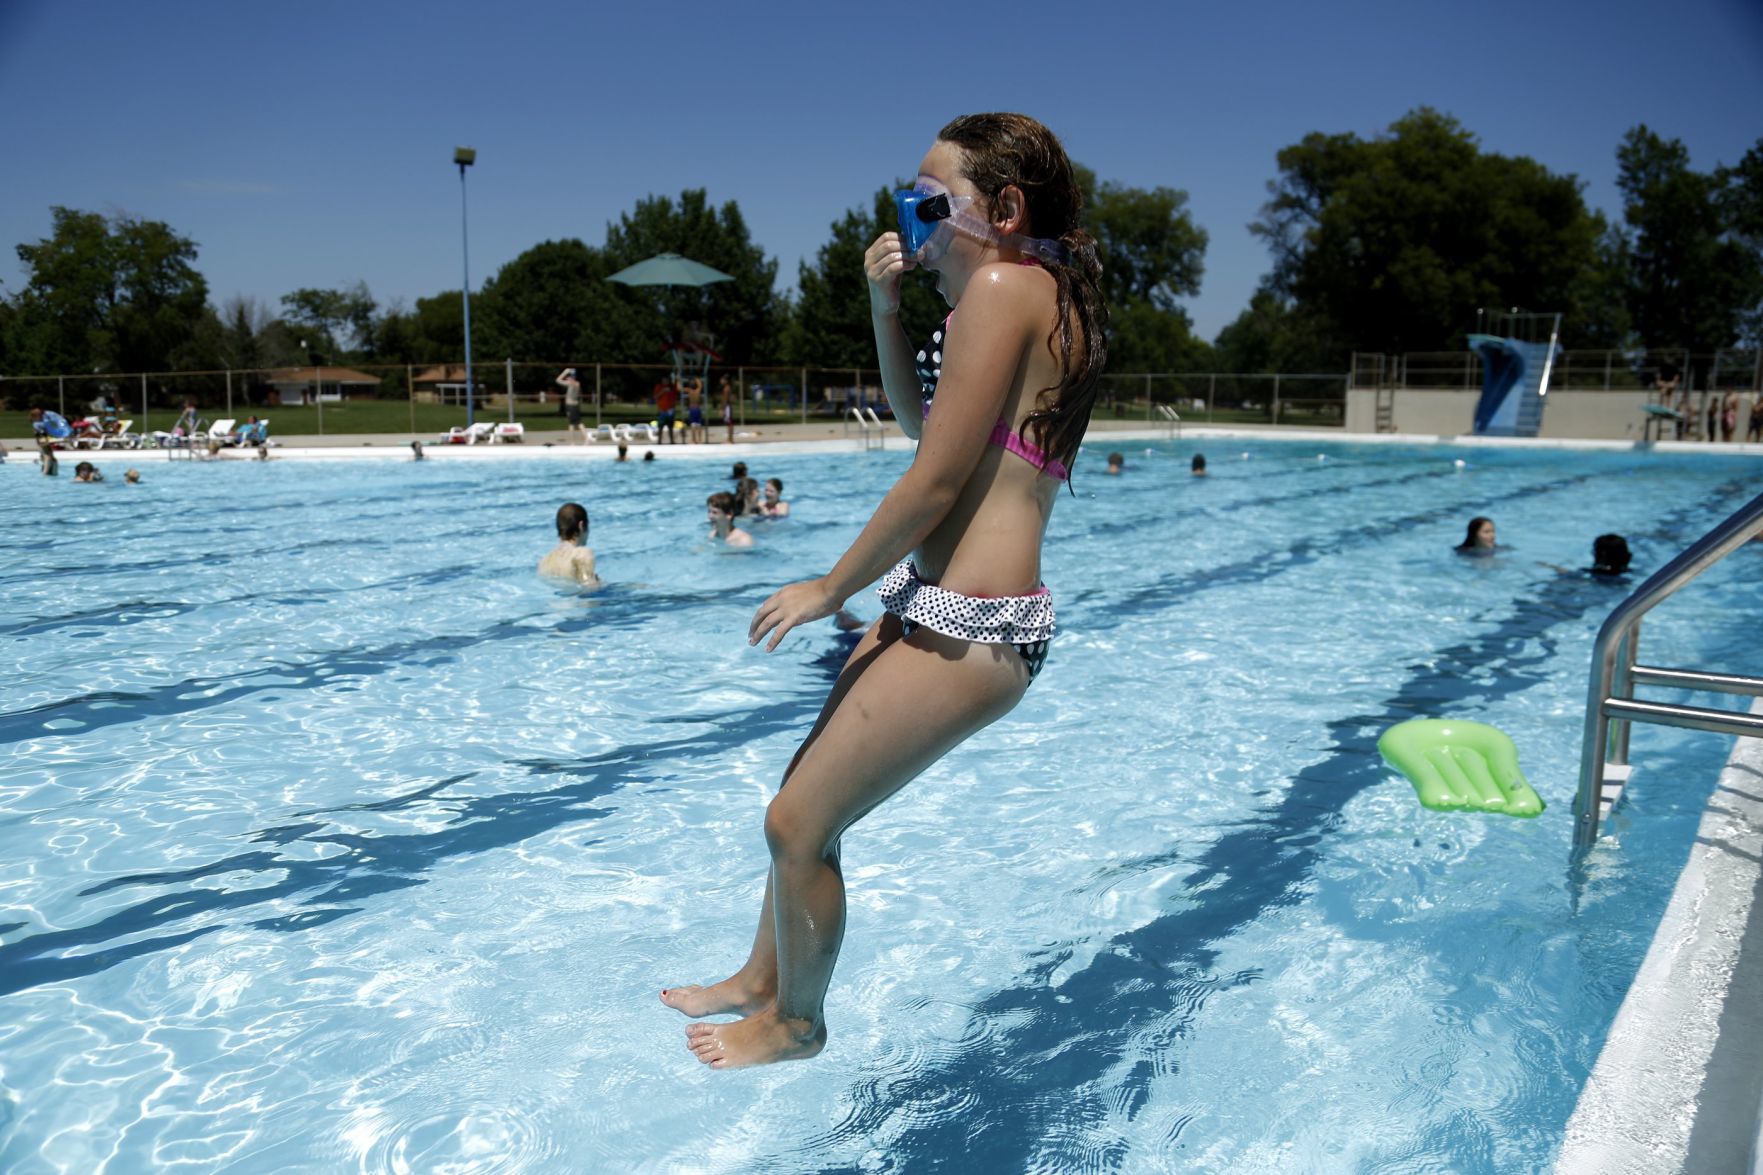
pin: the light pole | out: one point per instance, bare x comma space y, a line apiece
465, 157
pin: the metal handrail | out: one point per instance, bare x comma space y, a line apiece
855, 412
1171, 420
1614, 673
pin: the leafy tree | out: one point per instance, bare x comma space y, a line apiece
1394, 243
1275, 335
335, 322
1695, 257
553, 302
432, 333
1153, 254
745, 314
119, 293
1741, 203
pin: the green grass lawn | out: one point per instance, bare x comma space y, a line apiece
394, 417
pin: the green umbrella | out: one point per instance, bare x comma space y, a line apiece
669, 269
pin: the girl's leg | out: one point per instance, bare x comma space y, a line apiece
920, 697
755, 984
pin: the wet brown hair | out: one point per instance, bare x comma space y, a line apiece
1001, 150
572, 521
724, 502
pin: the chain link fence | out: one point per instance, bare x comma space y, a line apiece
429, 399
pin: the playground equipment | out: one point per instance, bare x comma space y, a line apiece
1517, 360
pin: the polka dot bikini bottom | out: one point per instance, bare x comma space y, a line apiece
1025, 623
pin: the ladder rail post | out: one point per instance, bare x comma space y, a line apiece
1624, 686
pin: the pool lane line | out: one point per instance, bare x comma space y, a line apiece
1058, 1042
132, 612
1107, 610
113, 707
98, 709
371, 863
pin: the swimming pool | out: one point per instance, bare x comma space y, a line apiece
331, 838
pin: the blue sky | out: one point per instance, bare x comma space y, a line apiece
310, 145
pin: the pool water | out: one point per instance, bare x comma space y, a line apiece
331, 838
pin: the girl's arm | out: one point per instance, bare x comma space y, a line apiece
884, 263
979, 363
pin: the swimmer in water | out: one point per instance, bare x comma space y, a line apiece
1116, 463
773, 505
571, 559
721, 508
995, 216
1197, 467
1478, 542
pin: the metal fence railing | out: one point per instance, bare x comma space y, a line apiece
423, 398
1738, 370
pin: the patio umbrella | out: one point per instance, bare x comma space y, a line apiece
669, 269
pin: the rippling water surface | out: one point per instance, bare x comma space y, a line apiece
331, 838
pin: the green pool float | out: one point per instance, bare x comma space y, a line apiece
1460, 766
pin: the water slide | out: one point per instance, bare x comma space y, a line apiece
1515, 377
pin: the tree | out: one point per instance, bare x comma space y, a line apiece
1394, 243
1741, 202
1695, 257
553, 302
1153, 255
117, 293
1274, 335
745, 314
333, 321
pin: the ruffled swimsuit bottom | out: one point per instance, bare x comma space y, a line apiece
1025, 623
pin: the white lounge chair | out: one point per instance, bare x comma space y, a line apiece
222, 431
509, 432
604, 432
480, 433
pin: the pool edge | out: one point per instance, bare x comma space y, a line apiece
1677, 1086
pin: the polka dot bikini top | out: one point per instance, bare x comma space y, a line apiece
929, 366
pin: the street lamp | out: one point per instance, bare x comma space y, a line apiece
465, 157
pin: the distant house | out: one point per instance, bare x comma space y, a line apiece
445, 383
297, 385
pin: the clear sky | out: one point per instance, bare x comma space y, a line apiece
310, 144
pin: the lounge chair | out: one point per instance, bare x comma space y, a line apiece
510, 432
117, 436
220, 430
251, 435
113, 435
604, 432
453, 436
480, 433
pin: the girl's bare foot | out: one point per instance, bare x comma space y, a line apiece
760, 1039
731, 995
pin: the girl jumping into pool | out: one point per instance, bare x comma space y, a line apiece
995, 215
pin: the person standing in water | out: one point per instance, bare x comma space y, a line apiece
571, 559
996, 216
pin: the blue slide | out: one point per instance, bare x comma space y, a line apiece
1512, 385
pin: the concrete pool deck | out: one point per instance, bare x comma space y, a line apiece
825, 437
1679, 1083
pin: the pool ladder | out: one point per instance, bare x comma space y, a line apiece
1611, 706
1171, 421
870, 426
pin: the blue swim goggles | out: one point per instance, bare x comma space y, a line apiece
929, 220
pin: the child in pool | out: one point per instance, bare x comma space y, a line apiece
996, 216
